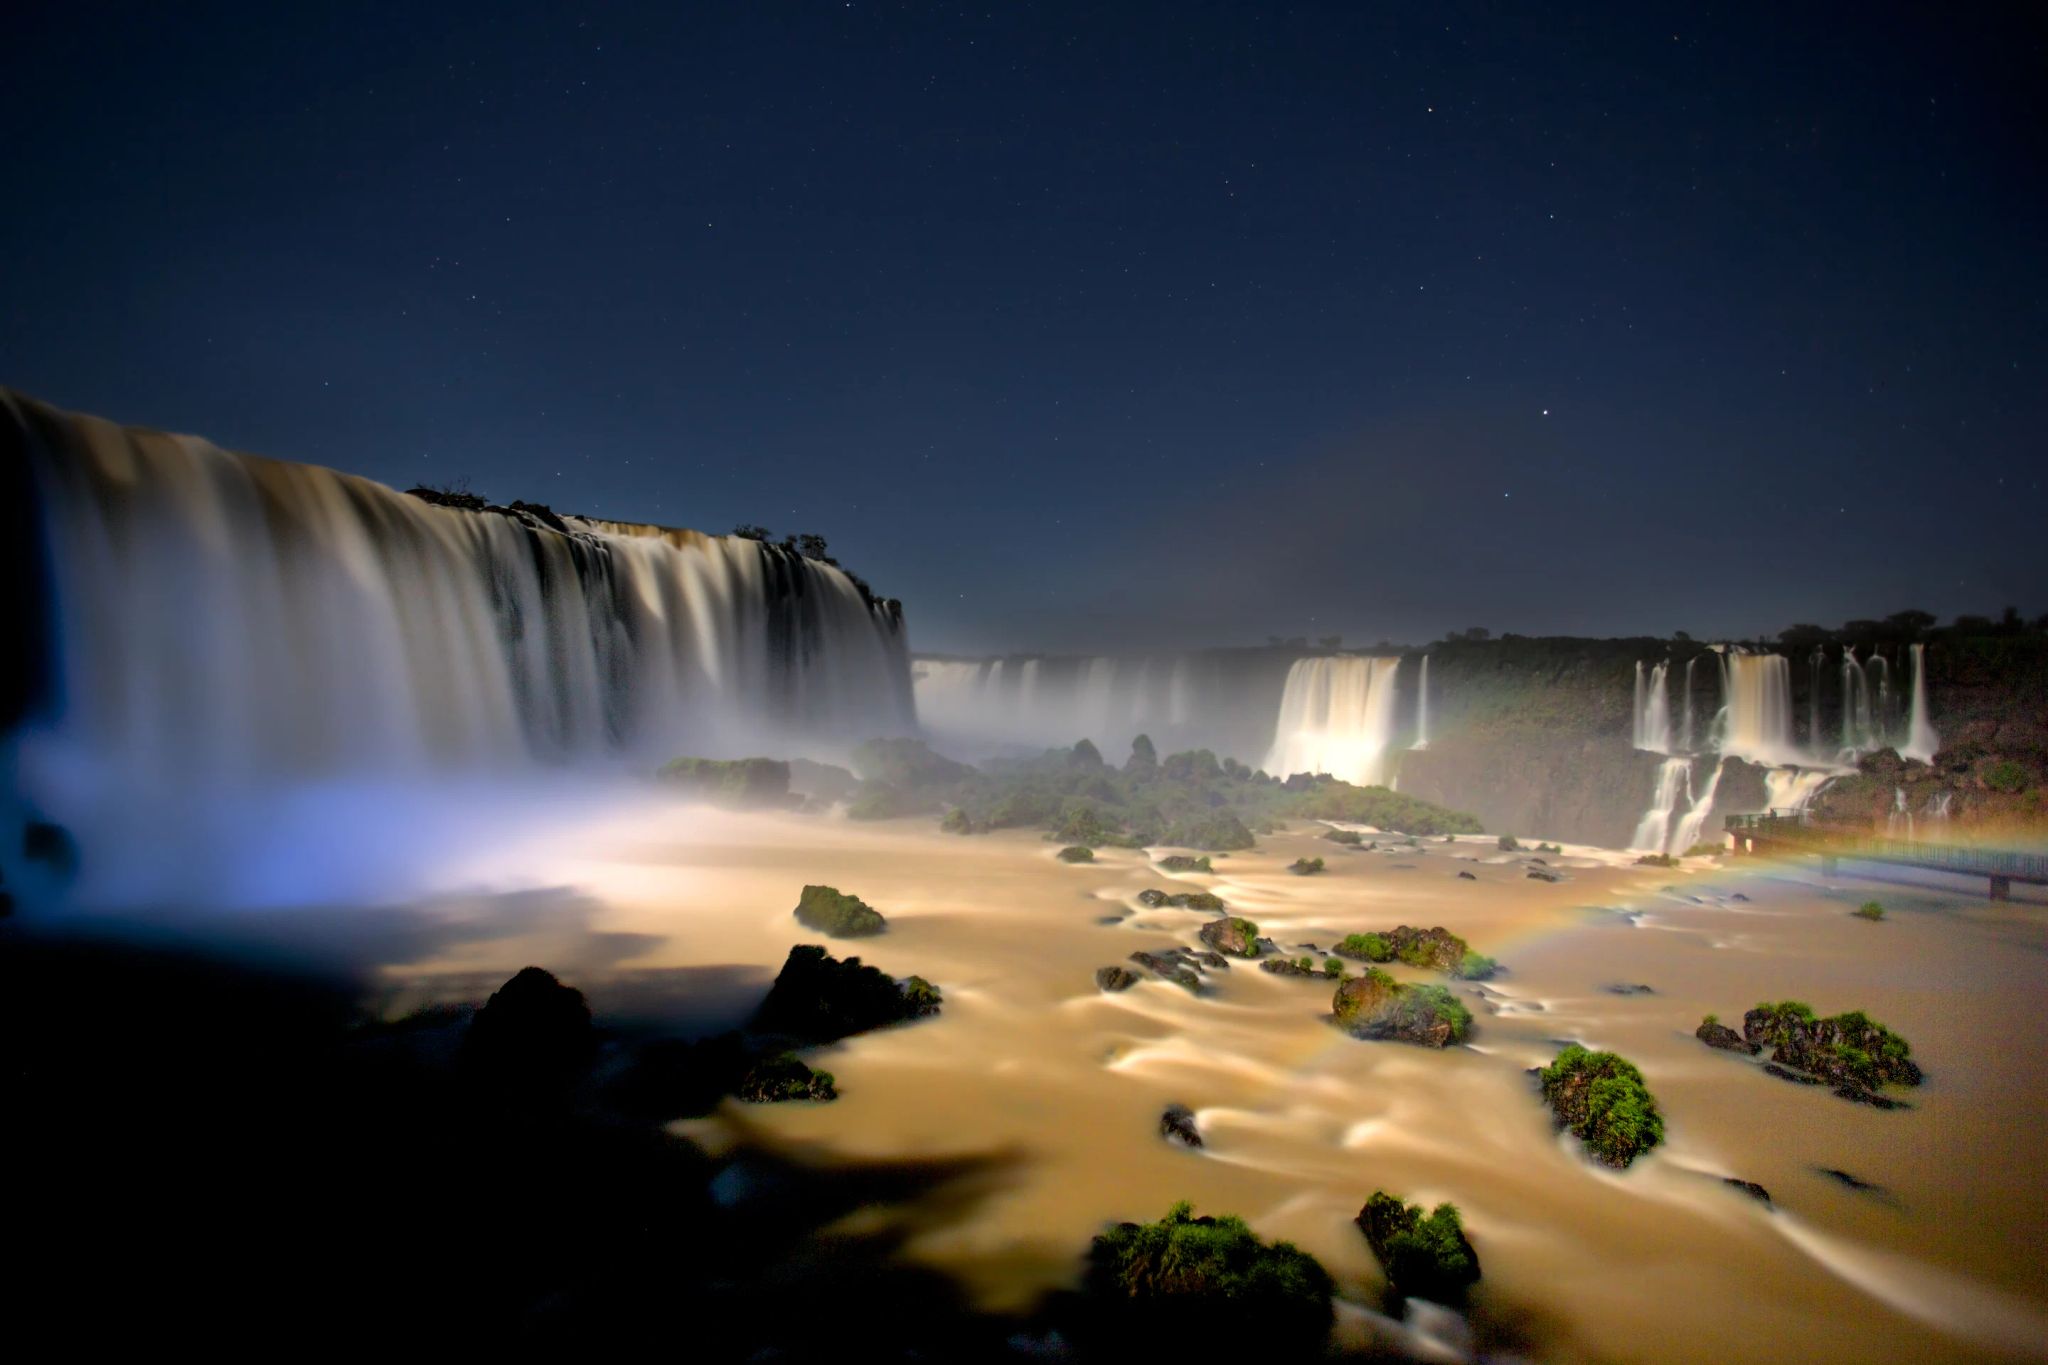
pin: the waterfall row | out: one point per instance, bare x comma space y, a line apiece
1652, 710
219, 622
1028, 703
1337, 717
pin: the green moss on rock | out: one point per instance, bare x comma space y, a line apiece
1424, 1255
831, 911
1602, 1099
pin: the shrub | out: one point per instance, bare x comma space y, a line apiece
831, 911
1601, 1098
1077, 853
1705, 851
1656, 860
784, 1077
1475, 967
1869, 910
1333, 966
2007, 776
956, 821
1305, 867
1218, 831
1508, 845
1426, 1256
1370, 947
1181, 862
1345, 836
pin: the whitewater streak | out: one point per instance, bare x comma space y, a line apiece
221, 621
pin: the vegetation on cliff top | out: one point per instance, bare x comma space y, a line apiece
1186, 800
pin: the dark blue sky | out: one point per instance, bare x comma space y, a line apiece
1096, 325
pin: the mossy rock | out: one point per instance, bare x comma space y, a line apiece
1181, 862
818, 998
1375, 1006
1602, 1099
739, 783
1350, 837
1209, 1282
1305, 867
1425, 1256
1077, 853
831, 911
1232, 936
784, 1077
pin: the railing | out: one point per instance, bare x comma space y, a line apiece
1849, 842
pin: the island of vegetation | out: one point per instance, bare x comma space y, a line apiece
1436, 950
1851, 1052
1601, 1098
1376, 1006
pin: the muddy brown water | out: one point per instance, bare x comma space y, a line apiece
1943, 1260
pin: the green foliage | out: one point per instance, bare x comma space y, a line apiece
1476, 966
1213, 1280
1847, 1048
1437, 1003
1508, 844
1656, 860
1706, 850
1333, 966
737, 782
1425, 1256
1601, 1098
1330, 799
1710, 1021
956, 821
1077, 853
1369, 947
831, 911
880, 801
1550, 848
1305, 867
907, 764
2008, 777
1869, 910
1345, 836
1181, 862
785, 1077
1219, 830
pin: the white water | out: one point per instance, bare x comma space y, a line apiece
1758, 688
1653, 831
1336, 717
1653, 709
1422, 709
225, 625
1921, 741
1696, 816
1686, 740
1859, 730
978, 706
1792, 789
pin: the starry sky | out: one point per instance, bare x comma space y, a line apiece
1097, 326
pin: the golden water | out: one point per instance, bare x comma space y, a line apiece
1662, 1261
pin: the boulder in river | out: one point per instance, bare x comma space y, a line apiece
1376, 1006
1425, 1256
1714, 1033
1236, 937
831, 911
1177, 1124
1115, 978
818, 998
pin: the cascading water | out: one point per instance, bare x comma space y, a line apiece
1814, 665
1791, 790
1653, 831
1336, 717
1653, 709
1921, 740
1695, 820
1422, 709
1759, 723
1859, 727
1685, 742
221, 624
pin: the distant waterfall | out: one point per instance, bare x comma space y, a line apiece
1759, 725
221, 622
1422, 709
1685, 742
1921, 741
1883, 710
1336, 717
1859, 726
979, 707
1814, 665
1702, 806
1653, 709
1653, 831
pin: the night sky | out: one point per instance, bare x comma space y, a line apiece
1104, 325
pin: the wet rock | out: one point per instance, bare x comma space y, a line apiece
1177, 1124
1748, 1187
1212, 960
1282, 966
1465, 876
1115, 978
1109, 919
1237, 937
1544, 875
1847, 1181
1796, 1077
1624, 988
1424, 1255
1849, 1050
1738, 896
1870, 1097
1727, 1039
1266, 945
532, 1027
1151, 898
1169, 967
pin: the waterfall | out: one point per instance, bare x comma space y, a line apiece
1813, 671
1898, 824
1422, 709
1653, 709
1685, 743
1696, 817
222, 623
1793, 789
1336, 717
1859, 728
1883, 721
1921, 741
1653, 831
1758, 688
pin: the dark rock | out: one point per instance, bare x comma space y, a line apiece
1213, 960
1181, 862
532, 1027
1282, 966
1151, 898
1847, 1181
1738, 896
1851, 1050
1725, 1038
1115, 978
1077, 853
50, 845
1109, 919
1623, 988
1464, 876
1749, 1187
1177, 1124
1797, 1078
1869, 1097
1169, 967
819, 998
1543, 875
